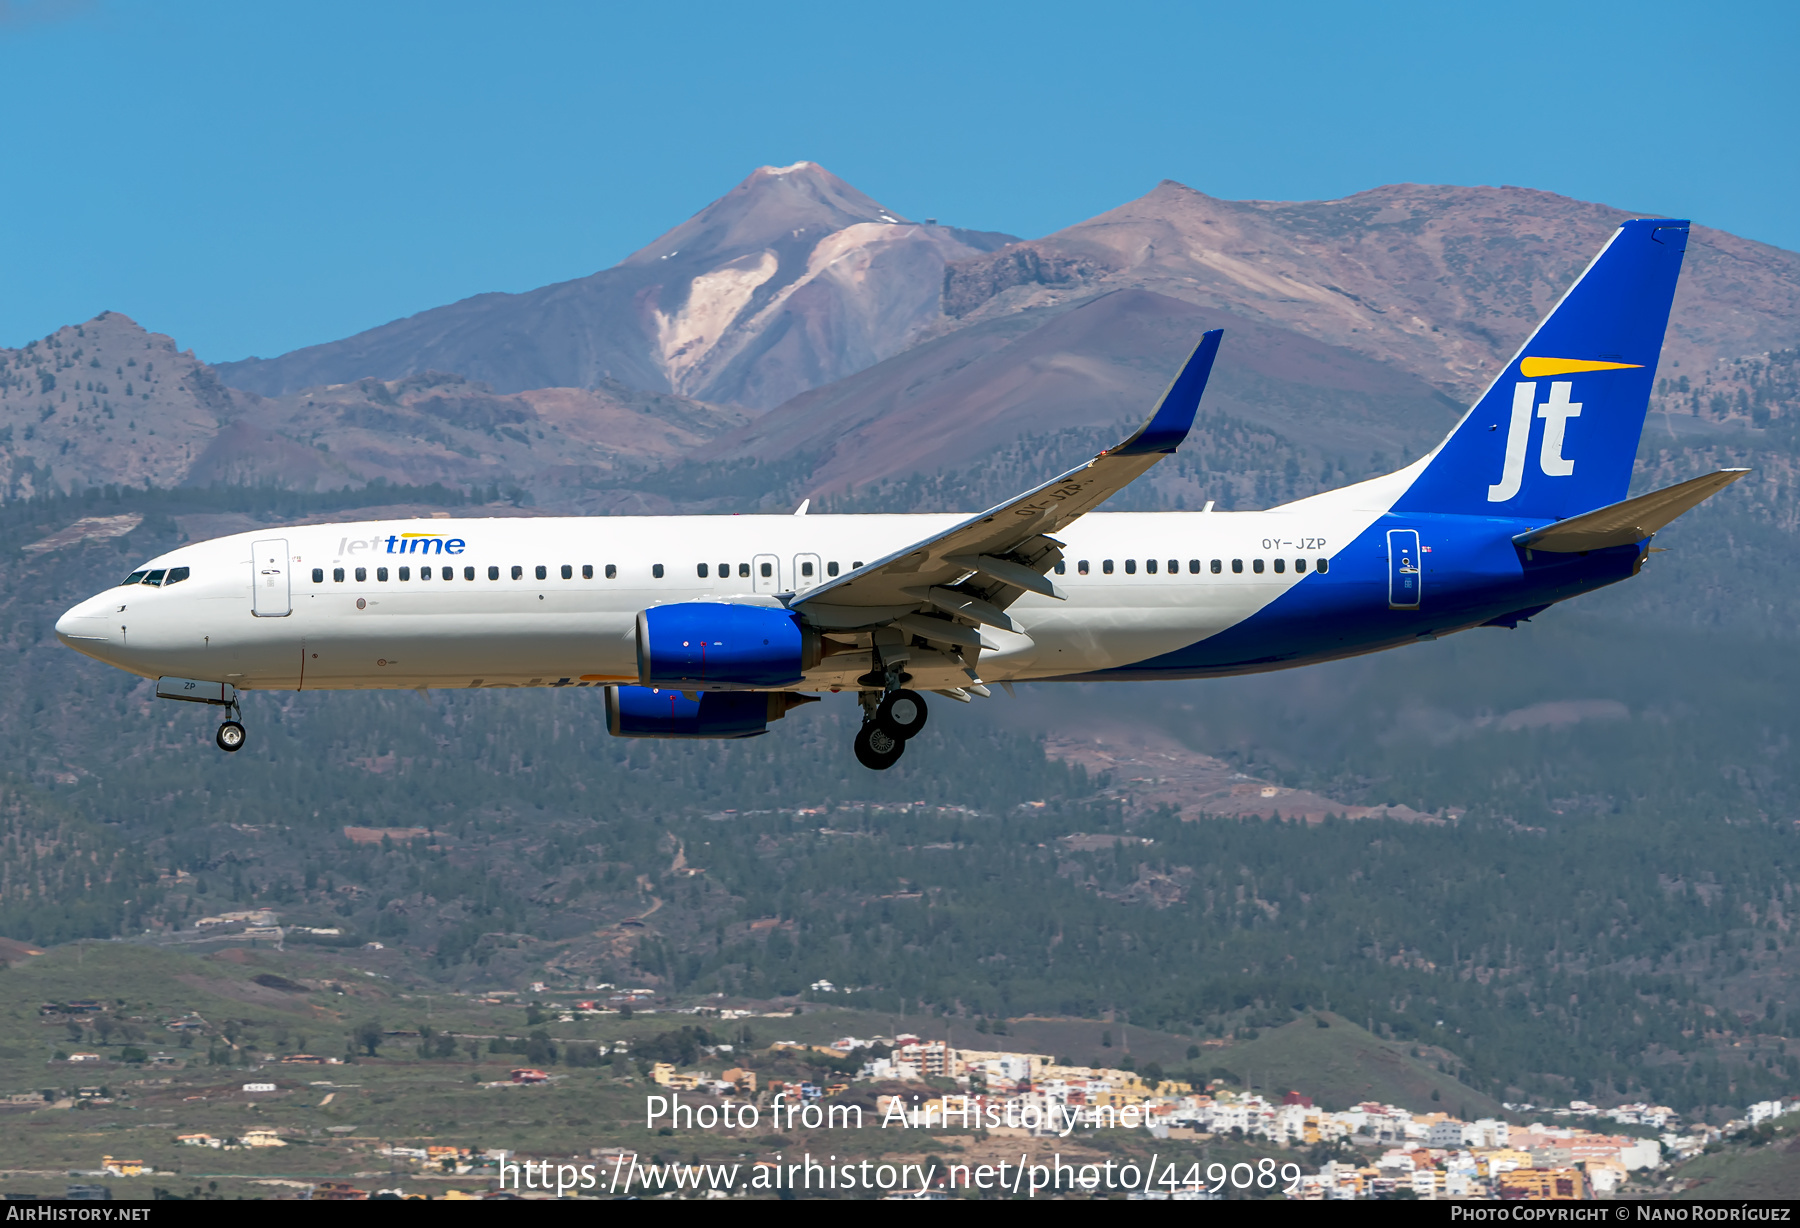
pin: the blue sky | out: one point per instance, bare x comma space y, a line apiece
252, 178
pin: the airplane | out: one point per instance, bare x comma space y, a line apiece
715, 626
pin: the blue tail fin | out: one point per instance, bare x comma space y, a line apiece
1556, 433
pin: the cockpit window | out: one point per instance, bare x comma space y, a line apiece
176, 576
135, 577
155, 577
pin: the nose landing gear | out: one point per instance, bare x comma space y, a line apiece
230, 736
231, 733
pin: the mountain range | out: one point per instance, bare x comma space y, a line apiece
798, 323
791, 280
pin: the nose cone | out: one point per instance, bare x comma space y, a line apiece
84, 627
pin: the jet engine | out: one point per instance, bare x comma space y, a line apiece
719, 646
658, 712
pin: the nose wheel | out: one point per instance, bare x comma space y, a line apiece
230, 736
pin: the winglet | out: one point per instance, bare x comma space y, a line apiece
1174, 416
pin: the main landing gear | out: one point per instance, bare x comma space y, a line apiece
890, 718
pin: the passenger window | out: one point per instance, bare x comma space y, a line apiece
493, 573
1149, 566
724, 571
587, 571
701, 571
381, 574
1300, 565
318, 575
656, 570
136, 577
362, 575
406, 573
767, 569
468, 573
541, 572
612, 572
1062, 568
1280, 566
155, 578
1106, 566
518, 572
1237, 567
337, 575
1082, 567
743, 571
568, 572
856, 564
1256, 566
1324, 565
1174, 566
424, 573
806, 569
831, 569
1217, 566
176, 576
1193, 566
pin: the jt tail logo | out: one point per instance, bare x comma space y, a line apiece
1556, 413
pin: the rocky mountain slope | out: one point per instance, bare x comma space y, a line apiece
109, 402
892, 352
1093, 364
789, 281
1443, 282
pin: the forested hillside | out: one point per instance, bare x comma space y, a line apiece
1610, 916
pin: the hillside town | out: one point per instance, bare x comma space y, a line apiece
1380, 1150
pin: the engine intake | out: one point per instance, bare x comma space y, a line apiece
659, 712
718, 646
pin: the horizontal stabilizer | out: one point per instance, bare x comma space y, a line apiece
1622, 524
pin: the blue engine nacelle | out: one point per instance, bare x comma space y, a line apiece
718, 646
658, 712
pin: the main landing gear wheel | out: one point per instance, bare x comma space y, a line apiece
901, 714
877, 749
231, 736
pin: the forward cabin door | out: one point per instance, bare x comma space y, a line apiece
1404, 569
765, 574
269, 579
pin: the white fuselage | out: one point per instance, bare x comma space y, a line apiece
268, 610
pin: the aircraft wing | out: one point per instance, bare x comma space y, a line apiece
1620, 524
975, 569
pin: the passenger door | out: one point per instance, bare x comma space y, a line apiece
270, 597
1405, 570
765, 574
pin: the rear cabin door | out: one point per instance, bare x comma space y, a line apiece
765, 574
269, 579
807, 571
1404, 569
